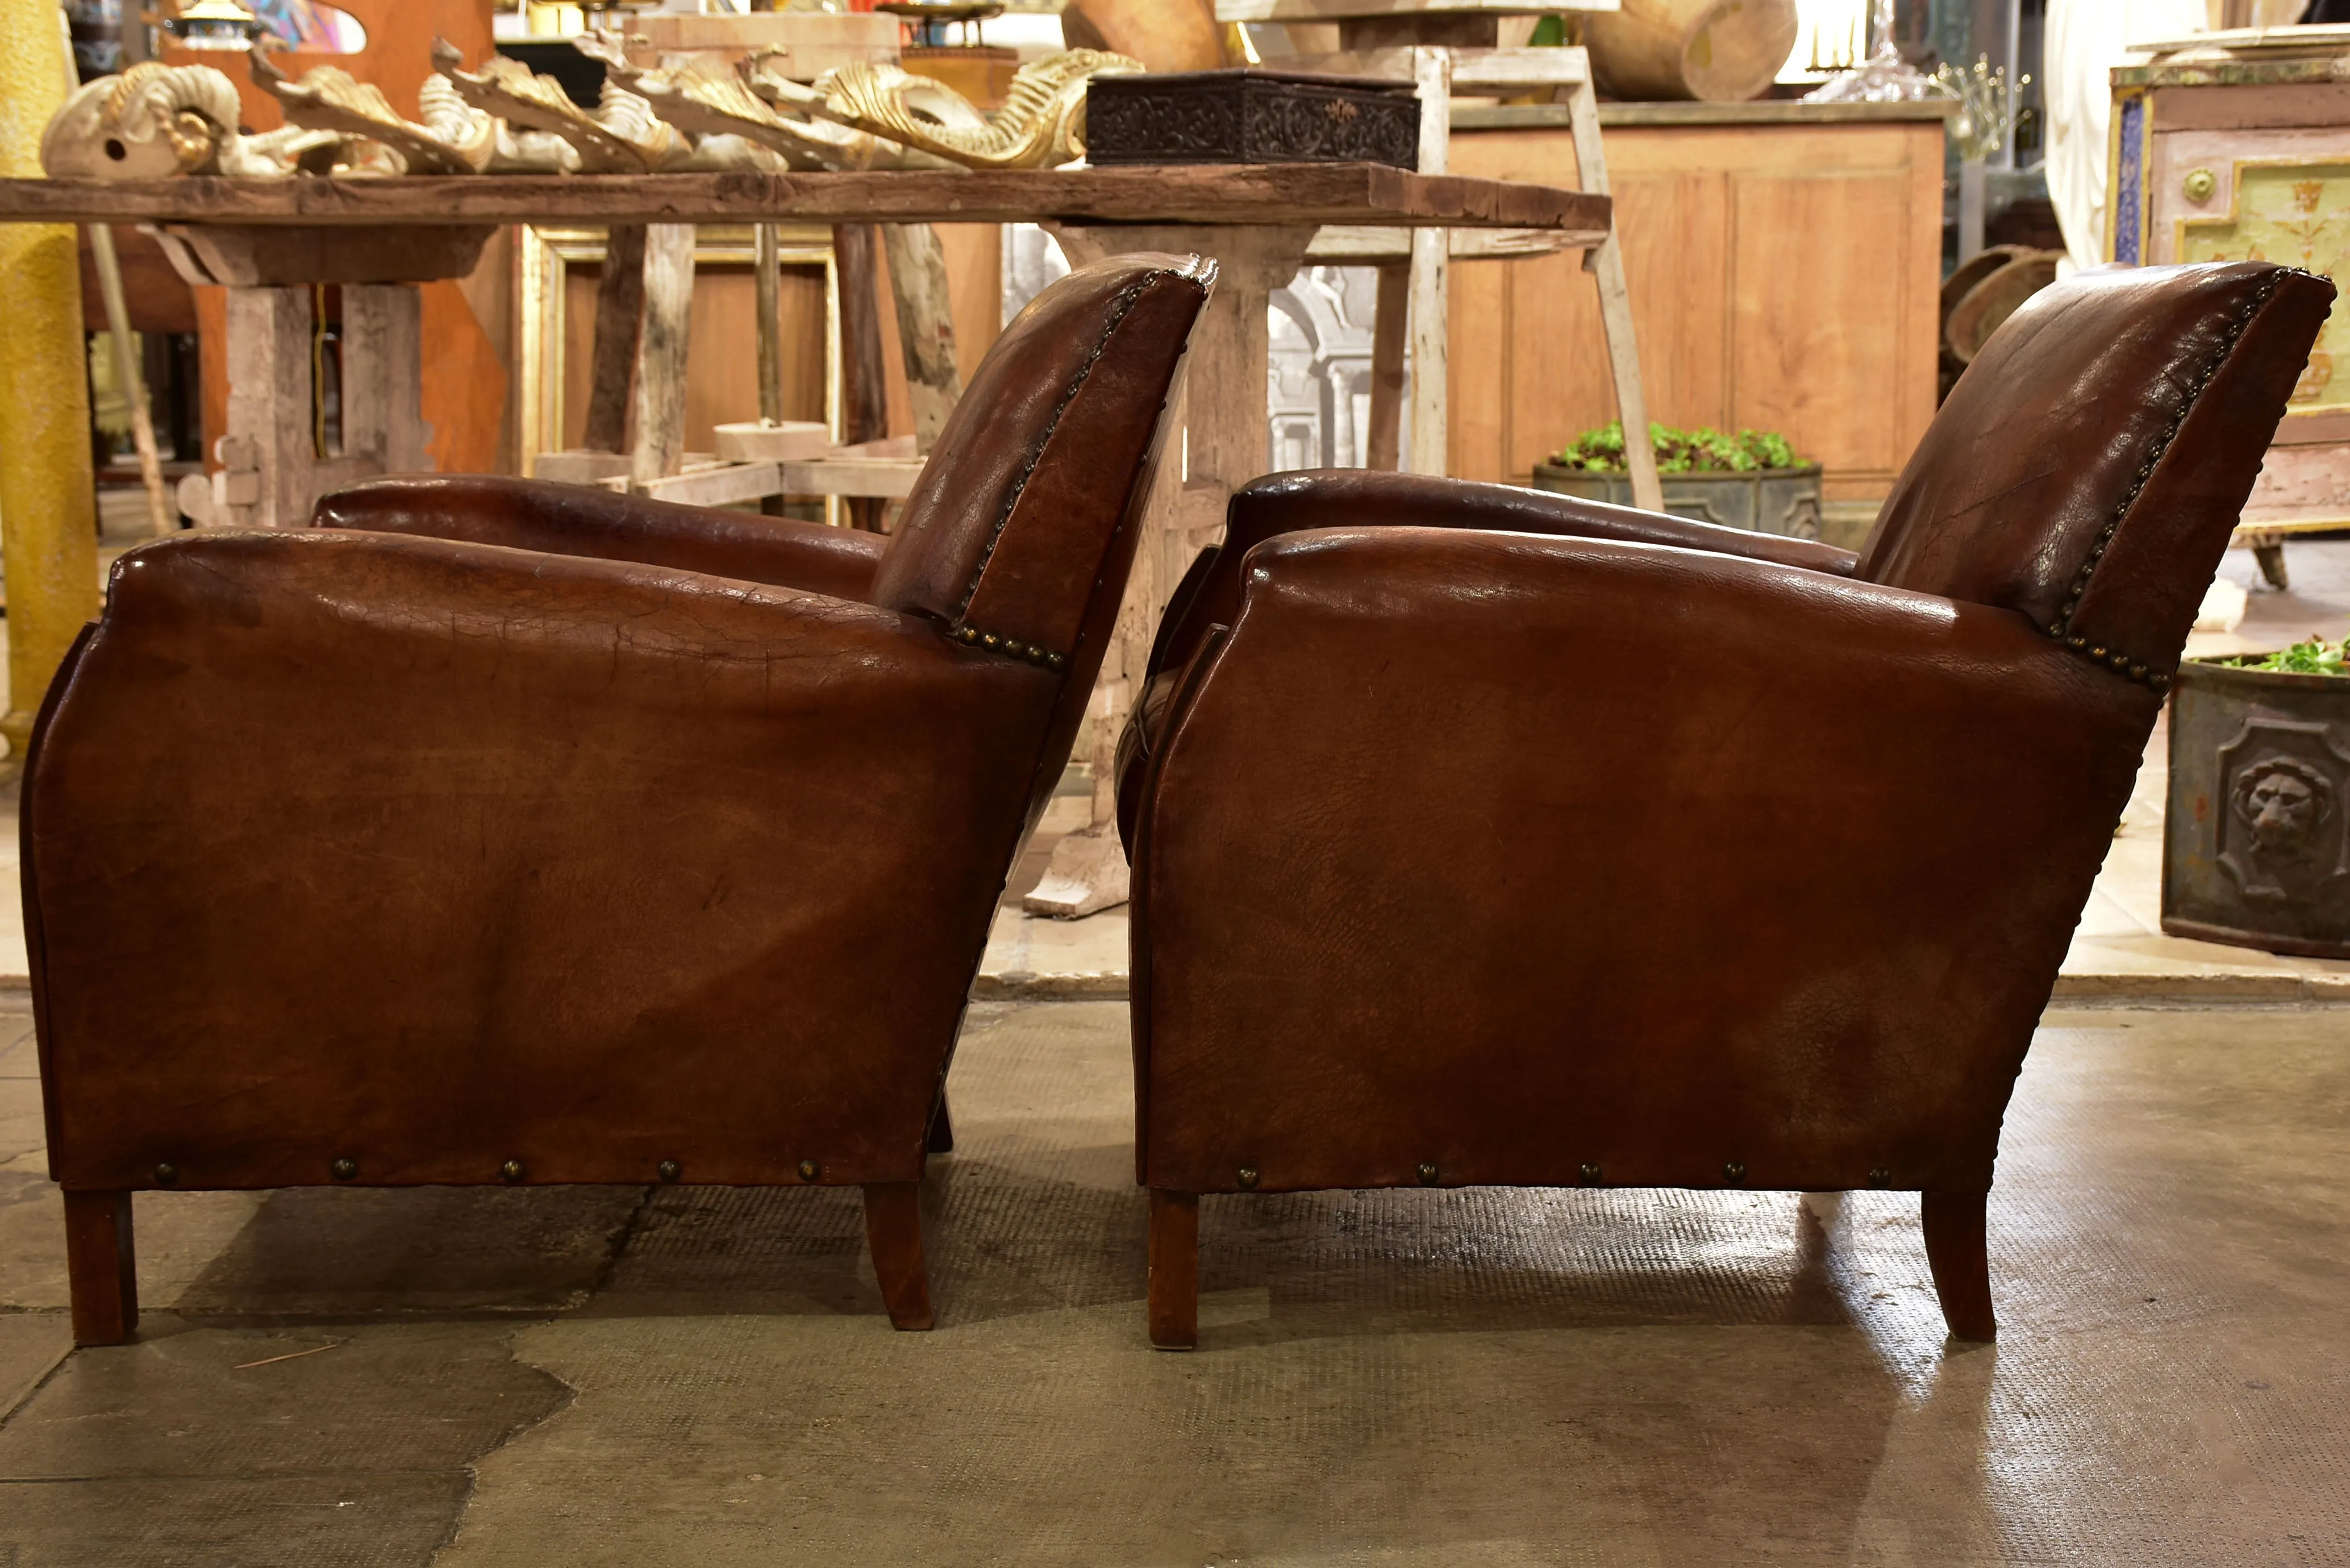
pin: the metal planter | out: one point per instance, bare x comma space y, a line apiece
2256, 841
1761, 501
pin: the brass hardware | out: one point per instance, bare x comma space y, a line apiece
1428, 1173
167, 1174
1590, 1175
810, 1170
512, 1170
1248, 1178
669, 1170
1734, 1172
1880, 1177
2200, 186
345, 1168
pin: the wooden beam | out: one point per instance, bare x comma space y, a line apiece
1228, 194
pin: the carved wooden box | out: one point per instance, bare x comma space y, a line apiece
1251, 117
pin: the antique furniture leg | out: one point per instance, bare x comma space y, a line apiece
893, 1230
1382, 441
1223, 444
619, 318
659, 399
926, 340
101, 1267
864, 389
1432, 265
1956, 1248
941, 1140
1174, 1270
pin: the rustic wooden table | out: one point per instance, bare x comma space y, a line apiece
1255, 219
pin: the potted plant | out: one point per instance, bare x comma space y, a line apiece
1752, 480
2256, 841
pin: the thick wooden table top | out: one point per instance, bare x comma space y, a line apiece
1229, 194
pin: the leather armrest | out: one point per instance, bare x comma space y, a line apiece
394, 822
1466, 801
589, 521
1360, 498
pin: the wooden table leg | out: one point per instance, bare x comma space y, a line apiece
660, 401
1390, 320
1223, 444
864, 388
619, 318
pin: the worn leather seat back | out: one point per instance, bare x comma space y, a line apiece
1020, 533
2088, 467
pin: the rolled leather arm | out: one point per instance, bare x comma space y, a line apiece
1515, 854
408, 834
589, 521
1360, 498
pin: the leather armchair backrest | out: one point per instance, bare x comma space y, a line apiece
1019, 534
2088, 467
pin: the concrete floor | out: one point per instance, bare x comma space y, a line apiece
703, 1376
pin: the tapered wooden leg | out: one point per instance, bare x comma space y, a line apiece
893, 1230
101, 1267
941, 1128
1956, 1249
1174, 1268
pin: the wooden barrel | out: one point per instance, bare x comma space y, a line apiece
1716, 51
1990, 301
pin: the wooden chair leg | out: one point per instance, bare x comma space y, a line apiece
941, 1128
1174, 1268
893, 1230
1956, 1249
101, 1267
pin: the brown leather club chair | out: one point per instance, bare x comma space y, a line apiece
497, 831
1484, 836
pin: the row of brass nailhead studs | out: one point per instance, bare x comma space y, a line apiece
346, 1169
2061, 628
1733, 1174
1034, 653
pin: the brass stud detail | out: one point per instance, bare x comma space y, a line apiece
1590, 1175
1247, 1178
1734, 1172
166, 1174
1880, 1177
1428, 1173
810, 1170
512, 1170
669, 1170
989, 639
345, 1168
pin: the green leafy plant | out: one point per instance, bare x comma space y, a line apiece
2314, 657
1699, 451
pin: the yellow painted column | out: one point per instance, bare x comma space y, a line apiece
48, 523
